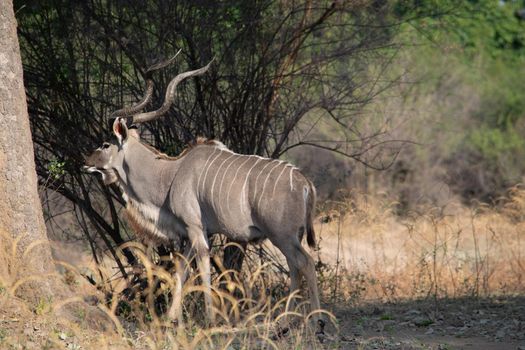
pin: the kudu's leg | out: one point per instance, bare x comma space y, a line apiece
182, 269
301, 263
201, 248
295, 279
308, 271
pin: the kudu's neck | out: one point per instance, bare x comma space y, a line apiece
143, 176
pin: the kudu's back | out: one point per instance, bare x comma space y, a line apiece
248, 198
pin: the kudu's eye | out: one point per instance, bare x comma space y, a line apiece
105, 145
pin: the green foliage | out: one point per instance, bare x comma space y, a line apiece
492, 143
470, 55
503, 97
471, 25
56, 168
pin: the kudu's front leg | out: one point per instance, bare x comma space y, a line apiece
182, 269
201, 248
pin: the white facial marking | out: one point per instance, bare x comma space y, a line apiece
92, 169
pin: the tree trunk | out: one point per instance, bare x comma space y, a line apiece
26, 265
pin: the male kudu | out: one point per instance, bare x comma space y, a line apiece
209, 189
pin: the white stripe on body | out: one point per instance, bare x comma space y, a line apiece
291, 179
279, 162
278, 177
243, 195
203, 169
209, 166
222, 181
233, 181
215, 178
257, 178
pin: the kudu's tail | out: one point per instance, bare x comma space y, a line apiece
310, 211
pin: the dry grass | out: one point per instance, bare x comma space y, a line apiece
252, 309
367, 253
48, 323
451, 251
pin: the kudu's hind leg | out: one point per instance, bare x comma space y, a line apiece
295, 282
301, 263
295, 278
307, 268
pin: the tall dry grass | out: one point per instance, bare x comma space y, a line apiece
252, 308
448, 251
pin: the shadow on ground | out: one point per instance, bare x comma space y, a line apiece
464, 323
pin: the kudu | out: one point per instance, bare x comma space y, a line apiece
209, 189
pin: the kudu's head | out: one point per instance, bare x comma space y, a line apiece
108, 159
110, 156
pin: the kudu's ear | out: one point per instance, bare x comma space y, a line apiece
120, 130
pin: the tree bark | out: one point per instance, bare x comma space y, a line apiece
26, 265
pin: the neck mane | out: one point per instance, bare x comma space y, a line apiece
199, 141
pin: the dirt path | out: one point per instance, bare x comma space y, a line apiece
446, 324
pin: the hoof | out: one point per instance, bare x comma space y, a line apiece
320, 331
321, 324
281, 333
